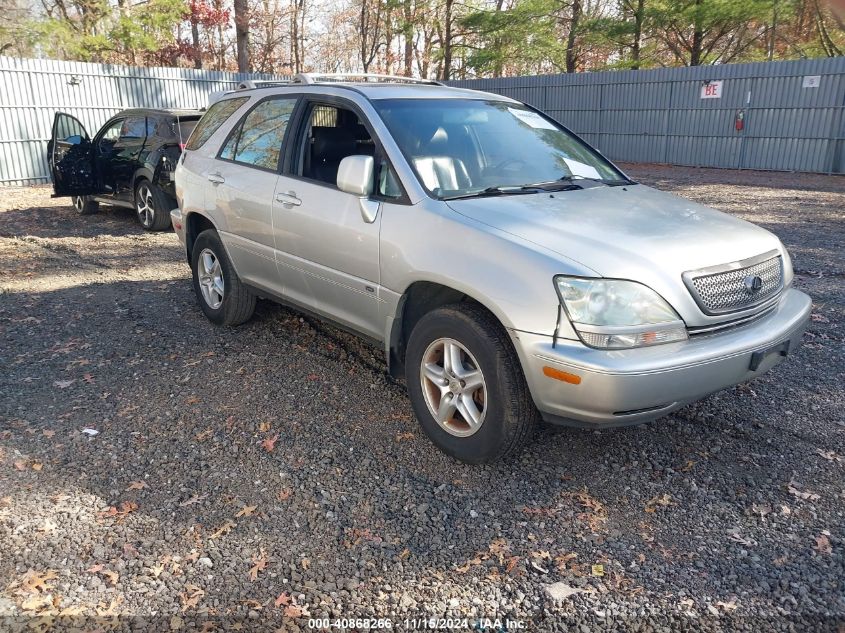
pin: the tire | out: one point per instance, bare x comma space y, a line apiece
152, 206
85, 205
237, 303
507, 412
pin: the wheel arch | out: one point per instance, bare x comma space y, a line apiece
196, 223
143, 173
418, 299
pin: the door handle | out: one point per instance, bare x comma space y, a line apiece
288, 198
217, 179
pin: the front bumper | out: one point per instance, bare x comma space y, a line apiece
620, 387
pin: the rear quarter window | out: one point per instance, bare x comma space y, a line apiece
212, 120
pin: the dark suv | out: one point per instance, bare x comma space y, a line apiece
128, 163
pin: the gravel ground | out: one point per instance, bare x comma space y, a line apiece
253, 478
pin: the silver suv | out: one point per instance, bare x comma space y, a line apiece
510, 271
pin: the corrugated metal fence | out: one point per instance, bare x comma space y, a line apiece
32, 90
792, 113
638, 116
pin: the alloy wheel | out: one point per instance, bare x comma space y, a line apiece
453, 387
144, 205
210, 276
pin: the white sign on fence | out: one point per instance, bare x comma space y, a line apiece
711, 90
811, 81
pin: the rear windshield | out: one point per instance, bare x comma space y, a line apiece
186, 126
212, 120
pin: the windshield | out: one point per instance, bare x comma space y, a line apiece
462, 147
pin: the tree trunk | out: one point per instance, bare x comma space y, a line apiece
242, 34
697, 41
408, 32
639, 16
195, 40
447, 42
571, 50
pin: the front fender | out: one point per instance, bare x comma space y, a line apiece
512, 278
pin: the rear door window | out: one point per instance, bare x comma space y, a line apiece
212, 120
134, 129
257, 139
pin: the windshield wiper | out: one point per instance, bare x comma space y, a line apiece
497, 191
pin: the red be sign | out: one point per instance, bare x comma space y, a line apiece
711, 90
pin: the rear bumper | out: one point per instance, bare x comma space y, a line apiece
623, 387
176, 221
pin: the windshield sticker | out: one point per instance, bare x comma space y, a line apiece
581, 169
532, 118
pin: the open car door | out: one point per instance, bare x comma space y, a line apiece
71, 157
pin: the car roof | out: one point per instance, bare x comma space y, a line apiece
373, 91
179, 112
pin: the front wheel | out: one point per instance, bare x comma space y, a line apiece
152, 206
221, 295
466, 384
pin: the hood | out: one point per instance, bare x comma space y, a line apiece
633, 232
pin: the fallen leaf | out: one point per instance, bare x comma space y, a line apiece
597, 570
246, 511
48, 432
830, 456
306, 563
512, 563
192, 400
663, 500
823, 545
294, 611
118, 512
802, 494
38, 581
157, 569
269, 443
192, 500
20, 464
404, 436
37, 466
499, 546
562, 560
137, 485
263, 426
63, 384
89, 378
404, 554
284, 494
283, 599
223, 530
191, 596
728, 606
689, 466
259, 562
37, 603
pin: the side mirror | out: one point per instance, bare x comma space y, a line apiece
355, 175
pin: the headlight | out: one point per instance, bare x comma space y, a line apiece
617, 314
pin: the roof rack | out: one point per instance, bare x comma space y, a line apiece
252, 84
312, 78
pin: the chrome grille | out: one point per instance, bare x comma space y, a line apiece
738, 286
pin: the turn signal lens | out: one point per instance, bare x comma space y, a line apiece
565, 376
